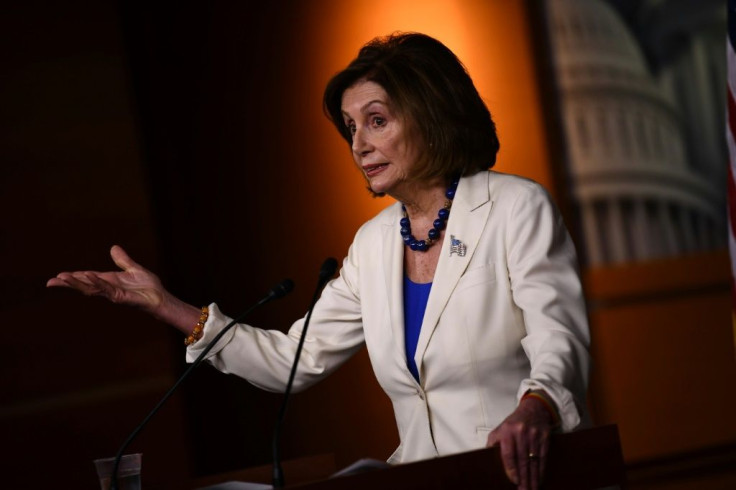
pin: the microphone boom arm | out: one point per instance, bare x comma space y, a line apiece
278, 291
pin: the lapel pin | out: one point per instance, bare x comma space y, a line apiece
457, 247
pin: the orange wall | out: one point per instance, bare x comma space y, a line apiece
663, 352
491, 38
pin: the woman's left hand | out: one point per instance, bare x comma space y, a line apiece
524, 440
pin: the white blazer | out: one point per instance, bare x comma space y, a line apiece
505, 314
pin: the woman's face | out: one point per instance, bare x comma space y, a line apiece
384, 147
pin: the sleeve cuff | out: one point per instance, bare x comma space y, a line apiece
214, 325
563, 399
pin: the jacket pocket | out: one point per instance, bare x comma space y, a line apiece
482, 434
476, 276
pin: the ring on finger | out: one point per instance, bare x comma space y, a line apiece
532, 456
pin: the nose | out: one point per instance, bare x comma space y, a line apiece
361, 145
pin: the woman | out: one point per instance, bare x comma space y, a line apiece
465, 291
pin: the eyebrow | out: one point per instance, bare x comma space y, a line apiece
367, 104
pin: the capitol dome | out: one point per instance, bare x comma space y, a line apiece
637, 194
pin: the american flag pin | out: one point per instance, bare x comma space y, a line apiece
457, 247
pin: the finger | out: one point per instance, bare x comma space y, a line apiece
543, 451
56, 282
508, 456
68, 277
522, 460
492, 439
103, 287
533, 442
122, 259
534, 465
78, 281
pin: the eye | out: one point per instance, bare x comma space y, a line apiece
379, 121
351, 127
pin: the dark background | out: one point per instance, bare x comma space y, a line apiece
168, 129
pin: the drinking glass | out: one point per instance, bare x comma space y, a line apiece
129, 472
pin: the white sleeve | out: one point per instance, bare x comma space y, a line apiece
265, 357
546, 285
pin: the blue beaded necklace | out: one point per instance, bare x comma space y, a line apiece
438, 224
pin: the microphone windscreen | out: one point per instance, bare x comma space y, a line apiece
329, 266
282, 289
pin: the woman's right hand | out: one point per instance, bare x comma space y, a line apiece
133, 285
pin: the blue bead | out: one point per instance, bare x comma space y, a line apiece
439, 224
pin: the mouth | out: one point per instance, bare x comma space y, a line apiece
374, 169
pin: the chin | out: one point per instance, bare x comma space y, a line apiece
379, 190
376, 186
383, 184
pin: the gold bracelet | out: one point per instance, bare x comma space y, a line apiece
548, 405
198, 328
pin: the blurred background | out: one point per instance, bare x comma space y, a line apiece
192, 134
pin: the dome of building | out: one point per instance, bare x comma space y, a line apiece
636, 192
591, 33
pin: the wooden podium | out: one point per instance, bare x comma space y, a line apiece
586, 459
583, 460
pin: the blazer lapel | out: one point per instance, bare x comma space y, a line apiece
468, 218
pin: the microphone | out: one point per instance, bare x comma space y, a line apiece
278, 291
327, 270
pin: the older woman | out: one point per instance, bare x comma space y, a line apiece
465, 291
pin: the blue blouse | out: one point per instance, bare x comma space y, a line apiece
415, 303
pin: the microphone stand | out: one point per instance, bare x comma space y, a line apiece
278, 291
325, 273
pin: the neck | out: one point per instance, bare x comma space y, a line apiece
423, 200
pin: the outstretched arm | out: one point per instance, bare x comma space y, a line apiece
133, 285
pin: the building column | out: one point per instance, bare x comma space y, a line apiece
591, 230
670, 243
642, 247
617, 233
690, 242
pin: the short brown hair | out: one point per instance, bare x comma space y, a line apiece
430, 87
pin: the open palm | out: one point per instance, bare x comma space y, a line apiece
133, 285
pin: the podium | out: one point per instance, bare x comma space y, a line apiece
583, 460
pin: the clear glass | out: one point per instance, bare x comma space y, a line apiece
129, 472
